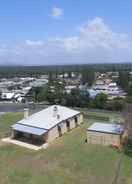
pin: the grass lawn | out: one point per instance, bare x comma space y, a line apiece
67, 161
6, 120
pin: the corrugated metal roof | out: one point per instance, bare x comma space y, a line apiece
29, 129
106, 128
46, 119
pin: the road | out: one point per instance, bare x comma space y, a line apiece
11, 107
14, 107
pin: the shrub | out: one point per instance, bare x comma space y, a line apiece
128, 147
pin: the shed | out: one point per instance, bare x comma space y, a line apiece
105, 133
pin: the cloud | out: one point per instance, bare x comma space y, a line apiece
34, 43
95, 43
56, 13
96, 34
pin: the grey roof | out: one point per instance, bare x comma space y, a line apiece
29, 129
45, 119
107, 128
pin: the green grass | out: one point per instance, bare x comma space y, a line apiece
67, 161
102, 115
126, 171
6, 120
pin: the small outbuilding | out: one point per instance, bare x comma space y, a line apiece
46, 125
105, 133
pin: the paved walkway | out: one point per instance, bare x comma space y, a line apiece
23, 144
1, 113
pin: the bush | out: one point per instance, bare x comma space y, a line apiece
129, 99
115, 104
97, 117
128, 147
100, 100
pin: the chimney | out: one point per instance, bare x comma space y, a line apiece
55, 111
26, 113
58, 116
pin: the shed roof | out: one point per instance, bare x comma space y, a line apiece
107, 128
45, 119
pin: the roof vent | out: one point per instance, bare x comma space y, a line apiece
58, 116
55, 111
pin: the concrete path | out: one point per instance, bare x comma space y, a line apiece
23, 144
1, 113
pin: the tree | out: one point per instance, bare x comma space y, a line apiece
100, 100
69, 74
33, 93
74, 98
124, 80
88, 76
53, 92
127, 114
0, 94
85, 99
77, 98
42, 95
128, 147
50, 76
129, 90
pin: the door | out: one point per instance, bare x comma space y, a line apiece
68, 125
59, 130
76, 121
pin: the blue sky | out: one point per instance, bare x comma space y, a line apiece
65, 31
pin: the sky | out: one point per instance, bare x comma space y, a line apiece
50, 32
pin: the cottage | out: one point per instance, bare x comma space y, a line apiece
46, 125
105, 134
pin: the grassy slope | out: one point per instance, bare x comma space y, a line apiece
126, 171
7, 120
67, 161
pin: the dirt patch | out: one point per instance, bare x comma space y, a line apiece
2, 143
57, 145
38, 165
